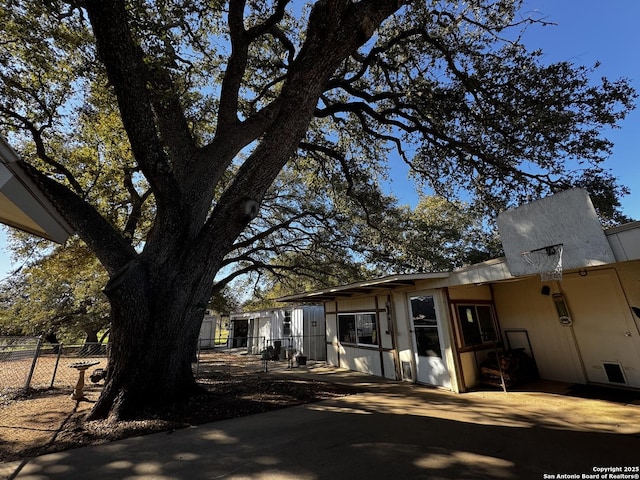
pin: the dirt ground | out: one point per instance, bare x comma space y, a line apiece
48, 420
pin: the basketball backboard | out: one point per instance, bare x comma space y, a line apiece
566, 220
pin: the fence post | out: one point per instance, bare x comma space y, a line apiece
55, 368
33, 363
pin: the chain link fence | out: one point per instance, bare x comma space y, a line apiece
28, 362
18, 357
312, 346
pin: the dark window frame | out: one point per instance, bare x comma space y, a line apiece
353, 329
473, 325
286, 324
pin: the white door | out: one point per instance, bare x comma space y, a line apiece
604, 328
431, 367
264, 332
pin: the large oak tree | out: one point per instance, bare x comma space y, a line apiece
188, 111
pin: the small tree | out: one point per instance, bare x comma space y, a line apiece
188, 111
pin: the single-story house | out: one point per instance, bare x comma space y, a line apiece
573, 315
23, 204
301, 328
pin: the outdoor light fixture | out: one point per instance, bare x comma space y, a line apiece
561, 308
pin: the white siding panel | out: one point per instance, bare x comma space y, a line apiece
331, 327
360, 360
625, 244
389, 365
470, 292
332, 355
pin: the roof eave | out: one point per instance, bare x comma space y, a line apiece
369, 286
35, 212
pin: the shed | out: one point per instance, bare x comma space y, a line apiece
298, 327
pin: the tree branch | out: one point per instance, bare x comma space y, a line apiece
41, 150
127, 74
111, 248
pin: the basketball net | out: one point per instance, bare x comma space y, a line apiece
547, 261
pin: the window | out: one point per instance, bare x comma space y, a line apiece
477, 324
425, 326
286, 324
358, 328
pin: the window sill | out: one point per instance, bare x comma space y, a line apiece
366, 346
480, 347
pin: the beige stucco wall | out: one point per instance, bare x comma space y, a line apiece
604, 329
470, 292
629, 274
520, 305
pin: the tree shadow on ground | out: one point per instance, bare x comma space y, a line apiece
386, 434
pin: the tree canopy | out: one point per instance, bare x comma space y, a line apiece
58, 295
166, 131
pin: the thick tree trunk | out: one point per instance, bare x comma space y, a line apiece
155, 326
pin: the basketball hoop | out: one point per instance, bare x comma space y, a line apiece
547, 261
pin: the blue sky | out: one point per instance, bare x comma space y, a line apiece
587, 31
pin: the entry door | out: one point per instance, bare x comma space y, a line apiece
240, 332
604, 328
429, 350
264, 332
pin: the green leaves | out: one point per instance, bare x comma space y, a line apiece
58, 293
444, 86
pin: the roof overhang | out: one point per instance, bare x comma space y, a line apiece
362, 288
23, 205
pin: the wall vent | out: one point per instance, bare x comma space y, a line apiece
614, 372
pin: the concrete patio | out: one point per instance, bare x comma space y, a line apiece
394, 430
